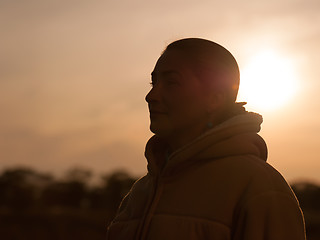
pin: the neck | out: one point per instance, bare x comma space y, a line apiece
180, 139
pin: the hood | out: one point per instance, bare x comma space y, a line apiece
236, 136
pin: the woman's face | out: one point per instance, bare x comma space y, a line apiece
177, 101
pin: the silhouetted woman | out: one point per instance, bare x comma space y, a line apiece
207, 172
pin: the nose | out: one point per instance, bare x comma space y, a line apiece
148, 96
153, 95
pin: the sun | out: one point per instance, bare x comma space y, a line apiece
268, 81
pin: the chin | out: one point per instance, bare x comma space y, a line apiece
159, 130
154, 129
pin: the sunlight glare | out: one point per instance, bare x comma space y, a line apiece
268, 81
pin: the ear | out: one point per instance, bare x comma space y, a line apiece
216, 101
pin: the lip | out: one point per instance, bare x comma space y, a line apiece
156, 112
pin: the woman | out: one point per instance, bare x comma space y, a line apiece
207, 172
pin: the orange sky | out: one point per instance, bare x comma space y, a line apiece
73, 76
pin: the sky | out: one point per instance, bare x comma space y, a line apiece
74, 74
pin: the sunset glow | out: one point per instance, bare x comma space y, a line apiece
268, 81
73, 77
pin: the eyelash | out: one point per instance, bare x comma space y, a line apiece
168, 82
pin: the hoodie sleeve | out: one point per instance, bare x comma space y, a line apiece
269, 216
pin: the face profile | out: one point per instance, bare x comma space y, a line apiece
177, 100
193, 83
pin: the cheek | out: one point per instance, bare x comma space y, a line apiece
186, 107
177, 102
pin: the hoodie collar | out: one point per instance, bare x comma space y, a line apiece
236, 136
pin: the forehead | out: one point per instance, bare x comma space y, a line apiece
173, 61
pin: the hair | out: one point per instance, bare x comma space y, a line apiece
212, 63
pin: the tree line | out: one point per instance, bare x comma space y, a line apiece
35, 205
24, 189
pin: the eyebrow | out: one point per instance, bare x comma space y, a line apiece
165, 73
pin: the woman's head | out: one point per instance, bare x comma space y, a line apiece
212, 63
194, 82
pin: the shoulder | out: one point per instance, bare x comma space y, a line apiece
262, 181
249, 174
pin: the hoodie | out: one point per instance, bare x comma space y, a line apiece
218, 186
